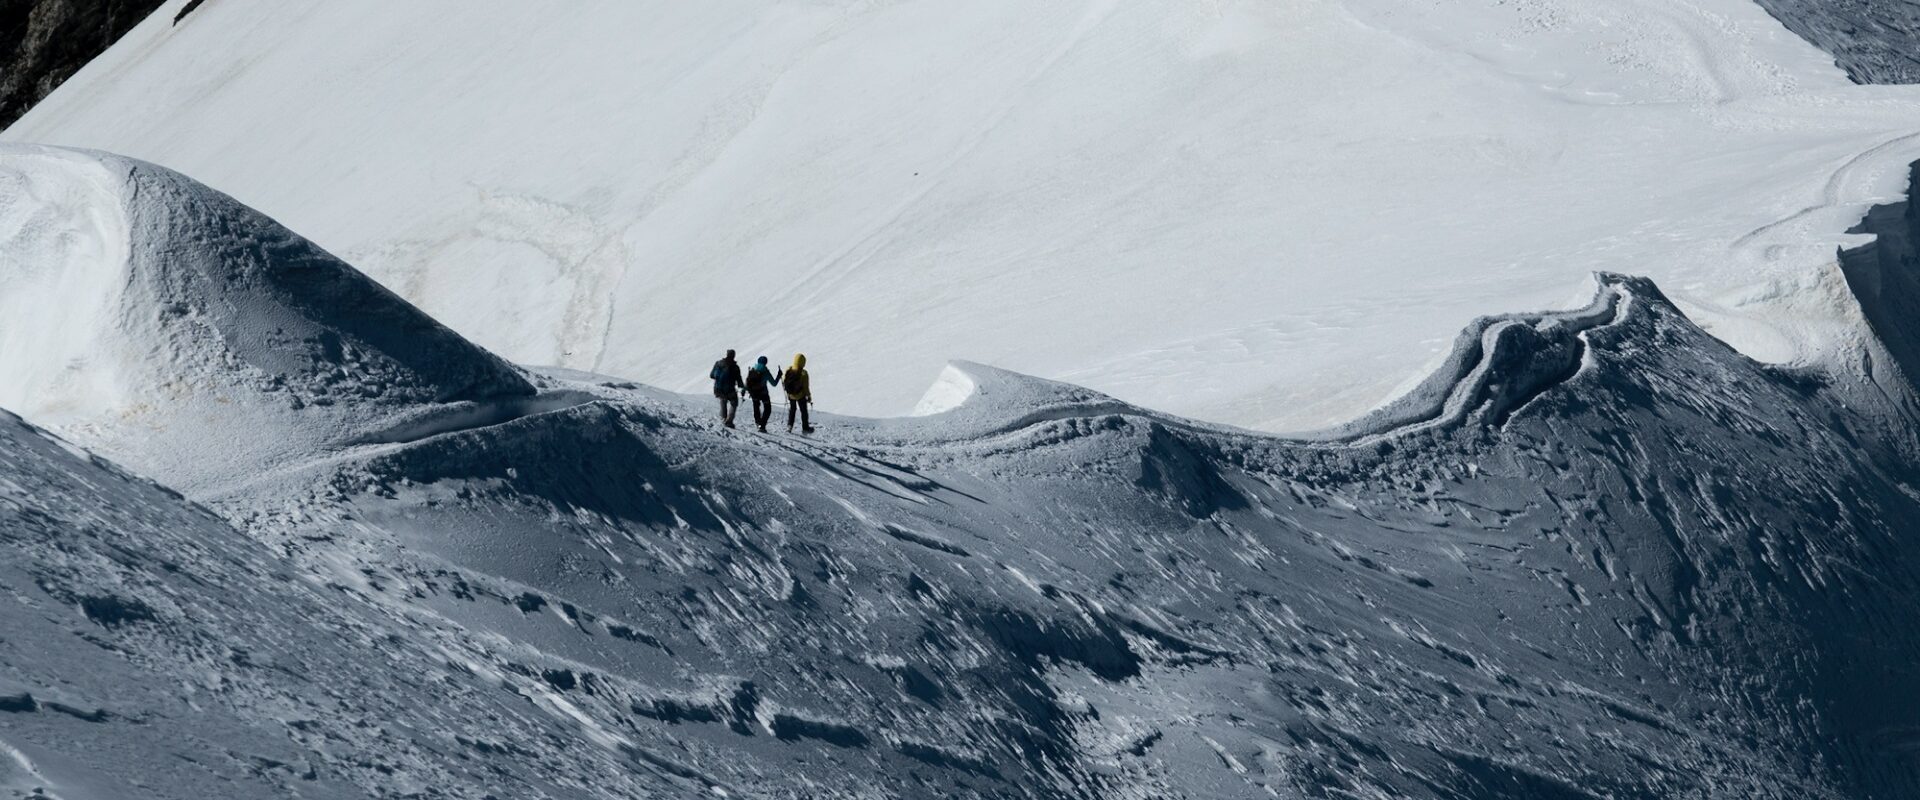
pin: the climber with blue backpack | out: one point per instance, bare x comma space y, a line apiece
726, 386
760, 381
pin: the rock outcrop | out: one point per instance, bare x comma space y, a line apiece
43, 42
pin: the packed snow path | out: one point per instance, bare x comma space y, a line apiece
1267, 214
1597, 554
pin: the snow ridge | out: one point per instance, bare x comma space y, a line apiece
199, 317
1498, 363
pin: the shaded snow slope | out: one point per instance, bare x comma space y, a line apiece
1670, 571
148, 649
1885, 275
1598, 554
1265, 214
139, 307
1873, 40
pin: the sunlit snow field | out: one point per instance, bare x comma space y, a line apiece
1270, 214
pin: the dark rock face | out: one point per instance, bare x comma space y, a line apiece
43, 42
1875, 41
1882, 274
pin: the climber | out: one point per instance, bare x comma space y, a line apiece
726, 386
799, 393
759, 381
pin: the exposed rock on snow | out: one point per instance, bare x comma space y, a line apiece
1601, 554
1875, 41
1885, 275
43, 42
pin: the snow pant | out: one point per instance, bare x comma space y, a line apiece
762, 409
729, 405
798, 406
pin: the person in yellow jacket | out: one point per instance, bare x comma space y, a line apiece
799, 393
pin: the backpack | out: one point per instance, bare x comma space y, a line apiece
757, 379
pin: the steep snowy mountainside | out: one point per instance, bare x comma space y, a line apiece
1598, 554
1265, 214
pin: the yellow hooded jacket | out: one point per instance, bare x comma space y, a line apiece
795, 380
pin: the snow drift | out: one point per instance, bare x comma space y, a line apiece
140, 307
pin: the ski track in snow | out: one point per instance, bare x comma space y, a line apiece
1875, 164
819, 278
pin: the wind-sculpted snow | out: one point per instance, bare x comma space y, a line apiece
1498, 364
140, 307
1598, 554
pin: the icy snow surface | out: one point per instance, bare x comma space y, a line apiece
1596, 554
1269, 214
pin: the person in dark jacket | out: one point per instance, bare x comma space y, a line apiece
726, 386
760, 382
799, 386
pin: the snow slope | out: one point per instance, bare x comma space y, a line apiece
146, 308
1597, 554
1267, 214
149, 649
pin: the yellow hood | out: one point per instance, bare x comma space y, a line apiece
799, 361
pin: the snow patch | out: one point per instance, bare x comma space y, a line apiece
63, 230
948, 392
